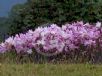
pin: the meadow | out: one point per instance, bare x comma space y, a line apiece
52, 38
31, 69
71, 50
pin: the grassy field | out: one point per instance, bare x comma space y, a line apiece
50, 70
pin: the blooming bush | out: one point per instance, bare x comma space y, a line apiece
76, 37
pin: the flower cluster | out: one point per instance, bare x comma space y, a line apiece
54, 39
79, 34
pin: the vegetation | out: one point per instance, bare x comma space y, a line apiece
50, 70
37, 12
4, 28
19, 56
78, 42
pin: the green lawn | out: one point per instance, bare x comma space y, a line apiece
50, 70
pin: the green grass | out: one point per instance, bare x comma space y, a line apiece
50, 70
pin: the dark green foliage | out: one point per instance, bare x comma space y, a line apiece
4, 28
36, 12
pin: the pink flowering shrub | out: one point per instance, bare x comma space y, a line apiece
77, 37
78, 34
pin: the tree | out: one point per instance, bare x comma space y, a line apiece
34, 13
4, 28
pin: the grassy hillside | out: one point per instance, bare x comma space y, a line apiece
50, 70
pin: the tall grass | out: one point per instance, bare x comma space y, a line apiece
50, 70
